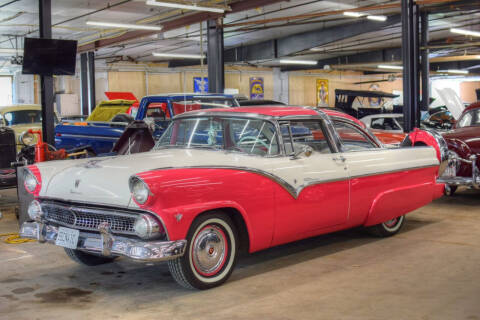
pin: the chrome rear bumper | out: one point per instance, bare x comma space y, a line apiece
107, 244
473, 181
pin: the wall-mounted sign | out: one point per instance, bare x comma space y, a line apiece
374, 102
322, 93
257, 91
200, 85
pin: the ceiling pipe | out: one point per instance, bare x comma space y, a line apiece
395, 5
177, 23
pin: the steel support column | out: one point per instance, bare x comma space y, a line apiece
84, 83
410, 57
416, 66
425, 62
46, 82
91, 80
216, 77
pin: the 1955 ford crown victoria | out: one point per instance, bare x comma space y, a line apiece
225, 180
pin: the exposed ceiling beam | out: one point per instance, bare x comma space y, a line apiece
390, 55
281, 47
177, 23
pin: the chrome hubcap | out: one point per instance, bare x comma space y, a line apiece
210, 249
391, 223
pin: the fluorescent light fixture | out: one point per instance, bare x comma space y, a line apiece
353, 14
307, 62
123, 25
454, 71
377, 18
386, 66
192, 6
178, 55
11, 51
465, 32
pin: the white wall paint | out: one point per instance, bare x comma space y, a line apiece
23, 88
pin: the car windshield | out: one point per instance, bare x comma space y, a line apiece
22, 117
471, 118
250, 136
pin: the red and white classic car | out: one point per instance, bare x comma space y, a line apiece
222, 181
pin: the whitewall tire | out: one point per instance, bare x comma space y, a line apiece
212, 250
387, 228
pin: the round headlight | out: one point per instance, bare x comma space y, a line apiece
139, 190
35, 210
30, 181
147, 227
27, 138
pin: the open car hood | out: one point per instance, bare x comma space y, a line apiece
452, 102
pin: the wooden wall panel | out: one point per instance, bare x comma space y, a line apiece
164, 83
303, 88
132, 81
467, 91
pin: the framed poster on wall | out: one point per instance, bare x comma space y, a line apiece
322, 93
257, 89
200, 85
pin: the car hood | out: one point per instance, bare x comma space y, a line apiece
104, 180
20, 128
469, 135
452, 102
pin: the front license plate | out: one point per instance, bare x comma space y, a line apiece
67, 238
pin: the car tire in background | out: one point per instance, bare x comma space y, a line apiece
450, 190
211, 254
387, 228
87, 259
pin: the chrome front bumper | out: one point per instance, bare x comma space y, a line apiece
107, 244
473, 181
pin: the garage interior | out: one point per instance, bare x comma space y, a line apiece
411, 49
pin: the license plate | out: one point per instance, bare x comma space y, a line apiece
450, 172
67, 238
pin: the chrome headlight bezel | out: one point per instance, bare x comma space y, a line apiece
139, 190
147, 227
27, 138
30, 181
35, 211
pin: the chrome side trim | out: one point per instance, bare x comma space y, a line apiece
292, 190
68, 135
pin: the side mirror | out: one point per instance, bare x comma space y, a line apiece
305, 150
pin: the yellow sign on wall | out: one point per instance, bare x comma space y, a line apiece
322, 93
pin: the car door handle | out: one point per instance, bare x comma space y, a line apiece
339, 159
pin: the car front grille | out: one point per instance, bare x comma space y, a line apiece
88, 218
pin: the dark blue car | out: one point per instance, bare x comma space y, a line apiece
100, 137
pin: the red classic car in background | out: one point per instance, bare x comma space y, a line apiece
222, 181
464, 151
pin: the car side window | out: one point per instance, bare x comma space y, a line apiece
297, 134
352, 138
384, 124
466, 120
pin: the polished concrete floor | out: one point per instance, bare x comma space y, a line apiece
431, 270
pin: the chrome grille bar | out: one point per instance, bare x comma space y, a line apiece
86, 218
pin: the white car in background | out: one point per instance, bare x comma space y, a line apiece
390, 122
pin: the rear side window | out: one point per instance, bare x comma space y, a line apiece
296, 134
352, 138
384, 124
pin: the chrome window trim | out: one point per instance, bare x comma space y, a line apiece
332, 134
225, 115
377, 145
